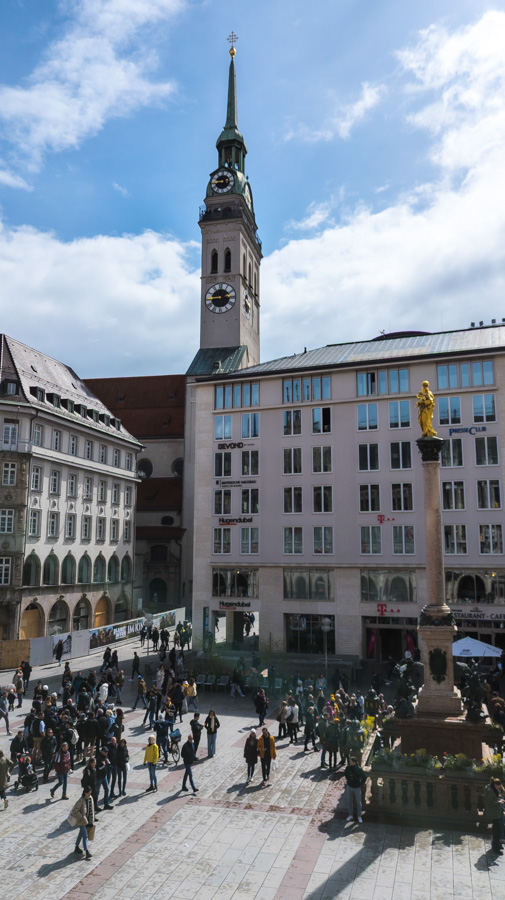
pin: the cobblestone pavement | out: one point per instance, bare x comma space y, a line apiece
230, 840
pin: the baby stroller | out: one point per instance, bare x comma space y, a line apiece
26, 774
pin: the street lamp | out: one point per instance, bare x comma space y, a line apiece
326, 626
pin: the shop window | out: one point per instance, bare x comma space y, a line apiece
305, 634
236, 582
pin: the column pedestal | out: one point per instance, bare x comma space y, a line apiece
438, 696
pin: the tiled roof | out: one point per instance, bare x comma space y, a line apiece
383, 349
159, 494
206, 361
36, 370
151, 406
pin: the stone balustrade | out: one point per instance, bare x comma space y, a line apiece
456, 797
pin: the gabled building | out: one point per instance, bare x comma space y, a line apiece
67, 500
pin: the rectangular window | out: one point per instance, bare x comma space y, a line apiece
54, 482
323, 539
293, 500
10, 436
36, 478
322, 499
70, 526
486, 451
88, 450
250, 425
402, 497
37, 435
249, 540
399, 414
126, 532
453, 495
5, 570
100, 529
369, 498
222, 540
452, 453
102, 491
370, 538
367, 417
34, 523
250, 462
86, 528
482, 373
6, 521
222, 503
72, 445
368, 457
321, 420
114, 529
488, 495
403, 539
491, 539
53, 524
400, 455
484, 408
293, 540
9, 473
222, 428
449, 410
366, 384
88, 488
116, 458
321, 459
222, 464
71, 484
102, 454
454, 539
447, 377
250, 501
56, 443
293, 461
128, 495
292, 421
115, 492
128, 462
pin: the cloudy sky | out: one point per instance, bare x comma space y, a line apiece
376, 138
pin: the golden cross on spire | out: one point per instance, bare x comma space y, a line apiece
233, 40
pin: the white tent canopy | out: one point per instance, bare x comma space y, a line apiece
471, 647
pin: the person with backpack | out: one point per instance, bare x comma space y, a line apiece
62, 768
355, 779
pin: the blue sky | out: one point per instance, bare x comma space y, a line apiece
376, 156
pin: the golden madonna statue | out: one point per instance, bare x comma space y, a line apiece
426, 407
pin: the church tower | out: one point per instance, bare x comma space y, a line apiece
231, 254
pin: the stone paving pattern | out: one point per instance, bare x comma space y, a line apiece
283, 842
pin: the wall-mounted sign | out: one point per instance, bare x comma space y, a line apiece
231, 605
472, 430
488, 615
231, 446
240, 521
382, 609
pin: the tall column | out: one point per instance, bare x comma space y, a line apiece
438, 696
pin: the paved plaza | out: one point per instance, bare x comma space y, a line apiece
288, 841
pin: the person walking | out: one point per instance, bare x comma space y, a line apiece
62, 768
151, 757
188, 758
59, 651
135, 665
141, 692
355, 778
493, 809
4, 710
261, 705
292, 720
123, 764
211, 725
251, 754
310, 725
102, 777
89, 780
322, 732
192, 695
84, 814
6, 766
281, 718
196, 730
48, 748
119, 682
267, 752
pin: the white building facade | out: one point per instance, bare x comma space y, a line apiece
309, 494
67, 501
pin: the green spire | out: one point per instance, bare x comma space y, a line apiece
230, 143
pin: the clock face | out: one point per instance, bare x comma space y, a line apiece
222, 181
247, 305
220, 298
248, 196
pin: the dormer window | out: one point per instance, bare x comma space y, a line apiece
11, 388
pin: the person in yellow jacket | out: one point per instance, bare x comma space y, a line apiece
151, 757
267, 752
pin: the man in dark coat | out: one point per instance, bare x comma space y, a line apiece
188, 758
48, 748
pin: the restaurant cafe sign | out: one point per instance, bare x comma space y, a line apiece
477, 614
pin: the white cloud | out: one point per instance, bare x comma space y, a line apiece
346, 117
117, 305
318, 214
120, 189
434, 258
9, 179
97, 71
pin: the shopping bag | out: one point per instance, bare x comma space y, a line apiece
91, 832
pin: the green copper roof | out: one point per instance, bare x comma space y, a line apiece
230, 133
217, 361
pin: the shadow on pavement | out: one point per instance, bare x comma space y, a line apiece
33, 807
49, 868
